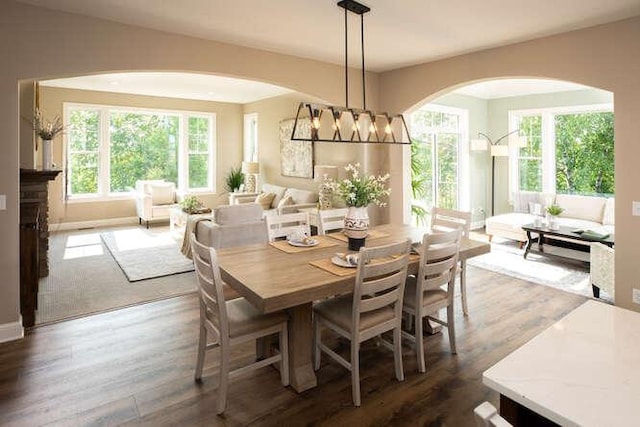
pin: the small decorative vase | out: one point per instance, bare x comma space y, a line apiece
356, 226
47, 154
553, 222
325, 196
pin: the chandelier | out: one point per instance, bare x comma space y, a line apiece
329, 123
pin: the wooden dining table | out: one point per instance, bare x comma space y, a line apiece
273, 279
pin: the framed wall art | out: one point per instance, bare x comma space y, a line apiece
296, 157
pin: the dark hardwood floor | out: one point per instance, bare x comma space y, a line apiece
135, 367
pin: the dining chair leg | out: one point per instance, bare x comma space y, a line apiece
223, 382
419, 341
202, 345
451, 329
316, 344
284, 352
355, 372
463, 287
397, 352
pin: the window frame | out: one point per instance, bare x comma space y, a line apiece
250, 137
548, 141
104, 146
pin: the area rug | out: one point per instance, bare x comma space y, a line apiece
507, 258
144, 254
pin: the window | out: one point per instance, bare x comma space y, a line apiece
569, 150
251, 137
109, 149
439, 158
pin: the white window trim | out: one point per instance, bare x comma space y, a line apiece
548, 141
104, 146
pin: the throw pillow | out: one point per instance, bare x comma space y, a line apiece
265, 199
162, 194
286, 201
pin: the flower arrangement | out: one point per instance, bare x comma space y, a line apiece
45, 129
359, 190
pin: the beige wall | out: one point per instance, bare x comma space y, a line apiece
606, 57
228, 154
42, 44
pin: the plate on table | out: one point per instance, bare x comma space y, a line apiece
342, 262
300, 244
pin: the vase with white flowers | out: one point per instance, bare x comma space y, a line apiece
47, 131
359, 191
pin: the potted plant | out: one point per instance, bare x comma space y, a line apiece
234, 179
553, 211
46, 130
191, 204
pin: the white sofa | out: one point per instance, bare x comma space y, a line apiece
233, 225
585, 212
301, 198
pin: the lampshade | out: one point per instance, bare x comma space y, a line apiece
322, 172
251, 167
500, 150
479, 145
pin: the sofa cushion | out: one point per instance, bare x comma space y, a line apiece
237, 214
509, 225
609, 216
301, 196
286, 201
275, 189
162, 193
521, 200
581, 207
265, 200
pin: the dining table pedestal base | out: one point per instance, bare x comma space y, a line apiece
302, 375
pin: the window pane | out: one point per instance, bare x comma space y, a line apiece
83, 132
530, 157
143, 146
584, 153
198, 170
530, 174
447, 170
83, 173
198, 134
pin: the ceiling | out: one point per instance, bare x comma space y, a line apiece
397, 33
493, 89
174, 85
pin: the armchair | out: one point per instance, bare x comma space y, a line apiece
154, 199
602, 269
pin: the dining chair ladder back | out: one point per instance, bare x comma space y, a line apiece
283, 225
424, 293
449, 219
374, 307
331, 219
231, 322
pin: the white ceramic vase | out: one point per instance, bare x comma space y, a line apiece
356, 226
47, 154
553, 222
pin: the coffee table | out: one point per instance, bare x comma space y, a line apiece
567, 239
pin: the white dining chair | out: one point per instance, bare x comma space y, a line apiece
486, 415
424, 295
449, 219
279, 226
374, 307
331, 219
230, 323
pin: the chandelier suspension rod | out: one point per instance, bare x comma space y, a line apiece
364, 92
346, 61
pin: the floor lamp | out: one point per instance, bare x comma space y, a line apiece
497, 150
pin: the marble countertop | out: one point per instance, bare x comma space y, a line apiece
582, 371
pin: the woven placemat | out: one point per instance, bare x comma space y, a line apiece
373, 234
284, 246
326, 265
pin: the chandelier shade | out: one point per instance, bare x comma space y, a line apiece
330, 123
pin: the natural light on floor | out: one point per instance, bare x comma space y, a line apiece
84, 245
139, 239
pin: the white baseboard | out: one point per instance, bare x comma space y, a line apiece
93, 224
12, 331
